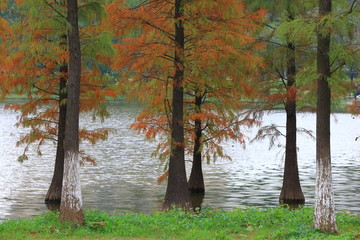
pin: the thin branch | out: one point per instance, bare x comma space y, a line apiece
230, 125
43, 90
281, 76
338, 67
42, 120
352, 6
170, 36
272, 42
269, 26
51, 6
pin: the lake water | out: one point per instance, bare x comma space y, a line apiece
124, 178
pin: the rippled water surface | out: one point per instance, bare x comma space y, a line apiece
124, 178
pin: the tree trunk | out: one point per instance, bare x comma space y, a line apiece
54, 193
71, 201
324, 215
291, 193
196, 181
197, 200
177, 192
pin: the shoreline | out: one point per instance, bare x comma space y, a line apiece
250, 223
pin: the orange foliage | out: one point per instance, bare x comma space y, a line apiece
3, 4
39, 51
219, 63
5, 62
353, 107
163, 177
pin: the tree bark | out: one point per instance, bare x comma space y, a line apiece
177, 192
71, 201
291, 193
196, 180
324, 214
54, 193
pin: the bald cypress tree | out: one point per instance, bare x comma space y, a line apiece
71, 199
324, 216
177, 192
285, 37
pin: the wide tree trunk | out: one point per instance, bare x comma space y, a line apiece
324, 215
177, 192
54, 193
196, 180
291, 193
71, 201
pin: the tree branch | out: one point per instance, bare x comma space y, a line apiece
52, 7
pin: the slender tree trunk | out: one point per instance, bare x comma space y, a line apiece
54, 193
291, 193
196, 181
71, 201
177, 192
324, 215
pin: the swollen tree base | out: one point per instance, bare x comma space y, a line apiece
169, 205
291, 194
53, 195
177, 191
196, 187
292, 203
197, 200
196, 180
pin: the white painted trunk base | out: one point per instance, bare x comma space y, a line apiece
324, 214
71, 192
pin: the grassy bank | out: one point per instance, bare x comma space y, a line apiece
272, 223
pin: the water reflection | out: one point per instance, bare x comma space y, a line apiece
124, 178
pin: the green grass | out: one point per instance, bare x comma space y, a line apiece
275, 223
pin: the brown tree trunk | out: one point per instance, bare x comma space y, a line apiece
54, 193
324, 214
177, 192
71, 201
291, 193
196, 180
197, 200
